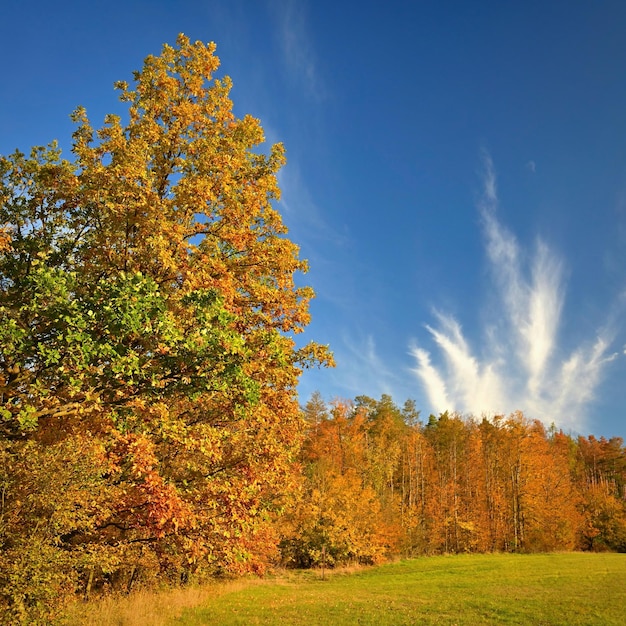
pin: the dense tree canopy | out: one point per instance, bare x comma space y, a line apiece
379, 482
148, 369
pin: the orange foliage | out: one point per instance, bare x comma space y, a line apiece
147, 312
453, 484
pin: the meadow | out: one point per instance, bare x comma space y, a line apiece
562, 588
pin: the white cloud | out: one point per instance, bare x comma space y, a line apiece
521, 366
433, 382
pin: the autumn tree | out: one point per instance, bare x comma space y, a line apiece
147, 314
495, 478
601, 474
453, 509
378, 481
385, 431
340, 517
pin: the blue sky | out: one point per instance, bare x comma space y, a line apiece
456, 178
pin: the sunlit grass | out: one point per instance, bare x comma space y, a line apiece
148, 608
567, 589
563, 589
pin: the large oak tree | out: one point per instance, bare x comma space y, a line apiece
148, 369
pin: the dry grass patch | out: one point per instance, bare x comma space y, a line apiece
149, 607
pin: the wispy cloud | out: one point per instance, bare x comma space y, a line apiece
521, 365
360, 367
431, 378
295, 43
299, 204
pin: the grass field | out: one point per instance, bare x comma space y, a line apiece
566, 589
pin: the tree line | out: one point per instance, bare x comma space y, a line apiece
380, 482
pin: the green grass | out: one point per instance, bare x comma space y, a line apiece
566, 589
